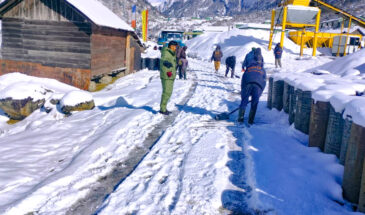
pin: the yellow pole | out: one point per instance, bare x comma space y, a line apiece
339, 42
302, 42
283, 26
347, 36
272, 28
318, 19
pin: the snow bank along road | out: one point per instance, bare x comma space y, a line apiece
196, 165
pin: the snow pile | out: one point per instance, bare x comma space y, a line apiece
239, 42
76, 97
19, 86
332, 87
350, 65
23, 90
10, 79
339, 101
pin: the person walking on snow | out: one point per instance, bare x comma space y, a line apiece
167, 74
230, 64
278, 51
182, 62
252, 84
217, 57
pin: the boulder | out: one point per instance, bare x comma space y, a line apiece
79, 107
18, 109
106, 79
77, 101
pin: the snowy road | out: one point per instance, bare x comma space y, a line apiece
185, 171
196, 166
202, 166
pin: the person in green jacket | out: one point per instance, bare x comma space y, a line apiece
167, 74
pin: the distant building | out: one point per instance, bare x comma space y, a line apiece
215, 28
72, 41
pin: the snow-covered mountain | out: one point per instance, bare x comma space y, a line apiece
123, 8
210, 8
206, 8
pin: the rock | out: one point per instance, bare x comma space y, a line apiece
77, 101
20, 109
55, 101
106, 79
80, 107
92, 86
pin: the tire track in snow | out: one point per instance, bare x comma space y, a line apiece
92, 202
161, 184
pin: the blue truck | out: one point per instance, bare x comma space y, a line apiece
168, 35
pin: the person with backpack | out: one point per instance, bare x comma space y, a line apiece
167, 74
230, 64
252, 84
248, 58
182, 62
278, 51
217, 57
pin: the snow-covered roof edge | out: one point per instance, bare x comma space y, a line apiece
100, 14
96, 12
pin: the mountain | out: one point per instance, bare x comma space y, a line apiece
209, 8
244, 8
123, 8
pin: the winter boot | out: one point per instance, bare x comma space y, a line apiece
241, 115
251, 117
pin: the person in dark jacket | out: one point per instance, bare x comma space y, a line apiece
249, 57
182, 62
278, 51
252, 84
217, 57
230, 64
167, 74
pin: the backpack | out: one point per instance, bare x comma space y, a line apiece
217, 54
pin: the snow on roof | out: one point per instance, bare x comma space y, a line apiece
99, 14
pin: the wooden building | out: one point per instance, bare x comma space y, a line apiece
72, 41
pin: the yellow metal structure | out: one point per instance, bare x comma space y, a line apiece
311, 39
284, 24
316, 33
337, 10
272, 28
323, 39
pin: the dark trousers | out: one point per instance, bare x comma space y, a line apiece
253, 90
227, 70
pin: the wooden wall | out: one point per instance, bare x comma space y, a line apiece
108, 50
73, 76
137, 54
46, 10
59, 44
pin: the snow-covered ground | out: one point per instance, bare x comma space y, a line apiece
52, 164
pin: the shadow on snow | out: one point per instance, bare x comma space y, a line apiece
121, 102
